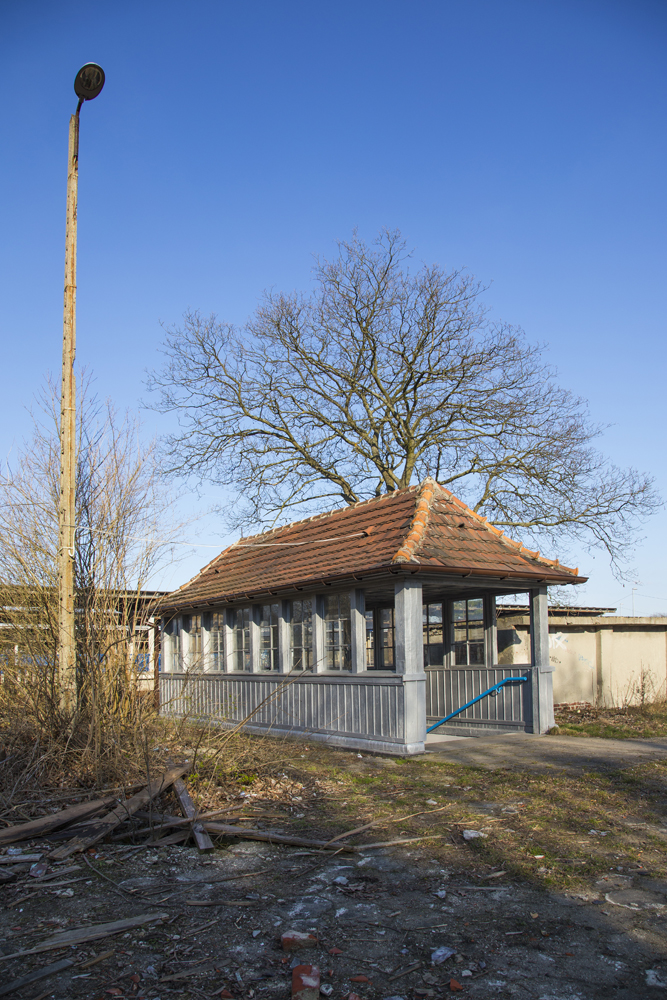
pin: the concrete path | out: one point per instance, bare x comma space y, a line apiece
549, 753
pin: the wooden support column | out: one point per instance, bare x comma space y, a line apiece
229, 645
284, 644
358, 631
490, 631
184, 665
409, 643
543, 695
255, 636
206, 656
318, 634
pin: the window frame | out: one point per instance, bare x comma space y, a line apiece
374, 633
243, 655
468, 642
310, 627
342, 648
217, 624
444, 643
269, 637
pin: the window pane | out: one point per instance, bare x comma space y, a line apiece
435, 614
337, 647
387, 628
460, 633
301, 635
195, 640
433, 635
217, 641
460, 653
468, 631
476, 652
370, 642
268, 636
242, 636
435, 655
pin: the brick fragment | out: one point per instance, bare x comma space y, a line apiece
305, 982
295, 940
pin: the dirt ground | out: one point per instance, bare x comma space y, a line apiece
565, 895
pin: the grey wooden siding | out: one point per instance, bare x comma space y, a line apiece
448, 689
371, 708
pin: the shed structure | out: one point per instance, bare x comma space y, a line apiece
361, 626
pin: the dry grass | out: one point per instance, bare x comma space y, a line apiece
538, 827
629, 722
550, 815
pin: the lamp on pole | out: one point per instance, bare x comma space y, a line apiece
87, 85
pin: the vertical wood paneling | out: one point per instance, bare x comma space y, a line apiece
448, 689
371, 709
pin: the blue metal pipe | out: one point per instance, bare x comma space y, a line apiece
496, 687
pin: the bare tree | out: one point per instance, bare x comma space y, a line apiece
124, 529
379, 378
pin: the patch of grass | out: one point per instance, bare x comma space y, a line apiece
632, 722
559, 831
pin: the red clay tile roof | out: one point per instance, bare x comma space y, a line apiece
422, 527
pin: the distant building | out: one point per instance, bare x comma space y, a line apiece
599, 658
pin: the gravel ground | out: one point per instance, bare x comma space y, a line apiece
385, 911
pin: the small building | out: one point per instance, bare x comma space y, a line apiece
361, 626
599, 658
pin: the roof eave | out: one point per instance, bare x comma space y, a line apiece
536, 577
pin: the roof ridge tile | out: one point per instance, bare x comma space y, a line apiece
412, 541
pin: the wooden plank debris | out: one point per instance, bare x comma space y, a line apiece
64, 939
107, 823
278, 838
32, 977
202, 839
20, 859
386, 822
196, 970
220, 902
224, 830
405, 972
43, 825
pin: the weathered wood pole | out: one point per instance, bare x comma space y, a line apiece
67, 509
87, 85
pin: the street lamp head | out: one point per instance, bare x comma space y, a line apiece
89, 81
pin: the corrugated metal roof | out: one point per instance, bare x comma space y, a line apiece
422, 527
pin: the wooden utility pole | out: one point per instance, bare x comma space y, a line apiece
67, 510
87, 85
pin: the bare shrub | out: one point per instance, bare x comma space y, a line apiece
124, 532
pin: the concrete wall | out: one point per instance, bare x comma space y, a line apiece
604, 661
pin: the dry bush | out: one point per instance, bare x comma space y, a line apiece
124, 532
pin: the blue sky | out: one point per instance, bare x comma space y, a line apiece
523, 140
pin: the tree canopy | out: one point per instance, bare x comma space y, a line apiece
376, 379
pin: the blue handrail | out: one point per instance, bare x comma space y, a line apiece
496, 687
